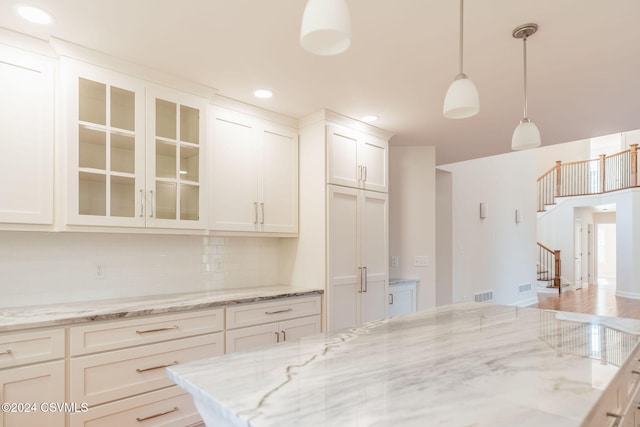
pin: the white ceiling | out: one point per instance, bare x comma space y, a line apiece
584, 61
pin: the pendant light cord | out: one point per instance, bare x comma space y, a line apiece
524, 44
461, 35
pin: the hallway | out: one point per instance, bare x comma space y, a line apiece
594, 299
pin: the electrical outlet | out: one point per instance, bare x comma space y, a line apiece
101, 271
394, 261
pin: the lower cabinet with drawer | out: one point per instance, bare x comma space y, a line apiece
118, 368
32, 376
256, 325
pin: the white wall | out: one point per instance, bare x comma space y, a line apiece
42, 268
494, 253
546, 157
444, 250
412, 217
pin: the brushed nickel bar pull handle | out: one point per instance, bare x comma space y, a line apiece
175, 362
141, 203
255, 212
365, 173
284, 336
635, 372
168, 328
366, 279
7, 351
262, 207
391, 295
360, 291
359, 172
153, 205
277, 336
175, 409
279, 311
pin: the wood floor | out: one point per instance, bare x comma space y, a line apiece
594, 299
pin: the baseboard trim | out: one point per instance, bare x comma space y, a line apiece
526, 303
626, 294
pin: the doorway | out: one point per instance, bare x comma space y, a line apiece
606, 254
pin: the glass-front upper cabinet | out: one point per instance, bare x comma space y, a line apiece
134, 156
175, 161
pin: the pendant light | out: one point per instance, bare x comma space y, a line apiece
526, 134
462, 98
326, 27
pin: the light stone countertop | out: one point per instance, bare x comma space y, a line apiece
467, 364
393, 282
19, 318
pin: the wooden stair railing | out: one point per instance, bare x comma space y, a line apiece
549, 266
607, 173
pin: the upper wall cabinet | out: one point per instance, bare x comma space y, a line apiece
26, 137
134, 151
357, 159
254, 174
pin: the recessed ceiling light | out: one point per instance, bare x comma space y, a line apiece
369, 118
35, 15
263, 93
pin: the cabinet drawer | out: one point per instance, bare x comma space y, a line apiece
104, 377
169, 407
144, 330
28, 347
274, 311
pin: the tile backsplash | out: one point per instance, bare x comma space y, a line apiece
43, 268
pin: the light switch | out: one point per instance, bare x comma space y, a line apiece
394, 261
421, 261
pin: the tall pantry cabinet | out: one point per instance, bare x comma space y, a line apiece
343, 240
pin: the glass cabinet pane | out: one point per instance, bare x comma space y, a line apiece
189, 202
93, 102
123, 153
122, 109
166, 200
166, 119
123, 201
93, 194
165, 160
92, 148
189, 124
189, 161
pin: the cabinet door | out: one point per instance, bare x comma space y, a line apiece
344, 280
278, 179
234, 198
402, 299
373, 157
36, 384
374, 244
176, 153
26, 146
252, 337
294, 329
342, 156
105, 146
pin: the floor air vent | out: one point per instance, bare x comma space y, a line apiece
486, 296
524, 288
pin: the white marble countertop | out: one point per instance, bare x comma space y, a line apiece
15, 318
398, 281
468, 364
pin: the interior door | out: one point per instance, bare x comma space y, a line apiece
577, 251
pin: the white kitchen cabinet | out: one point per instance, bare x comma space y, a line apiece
135, 151
25, 382
118, 367
27, 129
356, 159
402, 298
254, 174
252, 326
358, 246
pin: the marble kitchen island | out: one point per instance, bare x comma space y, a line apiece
460, 365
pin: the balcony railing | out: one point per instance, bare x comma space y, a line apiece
607, 173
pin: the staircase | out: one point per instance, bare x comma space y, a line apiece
549, 267
588, 177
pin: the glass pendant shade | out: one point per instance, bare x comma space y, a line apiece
326, 27
525, 136
462, 99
